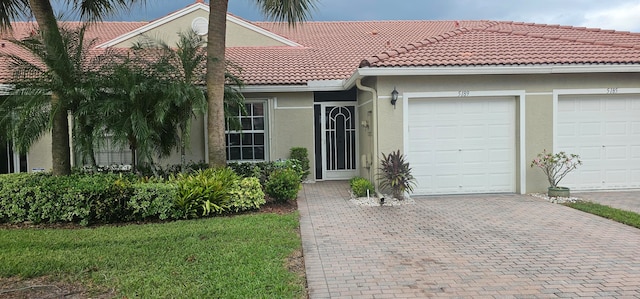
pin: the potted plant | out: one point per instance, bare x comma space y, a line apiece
556, 167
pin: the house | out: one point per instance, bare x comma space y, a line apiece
470, 103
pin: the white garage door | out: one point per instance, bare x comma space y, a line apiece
459, 146
605, 132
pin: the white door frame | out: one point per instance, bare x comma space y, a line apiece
338, 174
520, 96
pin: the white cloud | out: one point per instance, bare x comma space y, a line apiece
623, 17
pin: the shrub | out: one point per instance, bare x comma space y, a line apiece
301, 154
152, 201
360, 185
17, 191
395, 174
204, 192
283, 184
78, 198
556, 166
245, 169
246, 194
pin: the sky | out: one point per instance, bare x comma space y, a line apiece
606, 14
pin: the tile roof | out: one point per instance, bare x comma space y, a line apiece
509, 43
335, 50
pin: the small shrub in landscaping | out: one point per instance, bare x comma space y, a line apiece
283, 184
204, 192
301, 154
395, 174
360, 185
245, 169
246, 194
152, 201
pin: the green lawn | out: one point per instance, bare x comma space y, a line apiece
622, 216
224, 257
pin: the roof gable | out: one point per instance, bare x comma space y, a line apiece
195, 16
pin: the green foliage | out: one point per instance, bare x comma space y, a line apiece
223, 257
263, 170
247, 169
152, 201
206, 191
283, 184
86, 199
395, 174
301, 154
360, 185
622, 216
246, 194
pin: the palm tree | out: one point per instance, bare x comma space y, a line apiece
90, 10
291, 11
136, 105
25, 115
185, 61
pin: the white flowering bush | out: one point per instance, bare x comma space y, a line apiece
556, 166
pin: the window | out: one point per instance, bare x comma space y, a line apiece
249, 144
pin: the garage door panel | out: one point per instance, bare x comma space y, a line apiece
607, 140
473, 145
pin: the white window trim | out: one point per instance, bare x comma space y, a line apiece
266, 130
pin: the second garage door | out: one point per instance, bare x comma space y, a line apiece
605, 132
458, 146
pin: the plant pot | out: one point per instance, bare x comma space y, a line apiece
558, 192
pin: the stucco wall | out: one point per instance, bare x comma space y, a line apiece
237, 35
39, 156
290, 119
538, 105
168, 32
195, 153
365, 137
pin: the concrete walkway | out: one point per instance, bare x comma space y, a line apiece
480, 246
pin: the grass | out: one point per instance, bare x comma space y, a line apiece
622, 216
225, 257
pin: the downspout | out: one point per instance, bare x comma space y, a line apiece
374, 126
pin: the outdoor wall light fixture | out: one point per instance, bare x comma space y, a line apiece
394, 97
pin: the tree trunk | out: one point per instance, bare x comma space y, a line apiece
215, 82
60, 151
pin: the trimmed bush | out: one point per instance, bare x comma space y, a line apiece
85, 199
301, 154
246, 194
283, 184
152, 201
360, 185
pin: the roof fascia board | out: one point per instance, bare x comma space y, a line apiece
290, 88
159, 22
495, 70
262, 31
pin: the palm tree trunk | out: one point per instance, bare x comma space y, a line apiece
215, 82
60, 152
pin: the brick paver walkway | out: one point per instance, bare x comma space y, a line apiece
480, 246
625, 200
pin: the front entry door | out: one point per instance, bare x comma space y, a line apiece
339, 140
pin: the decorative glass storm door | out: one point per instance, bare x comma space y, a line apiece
339, 141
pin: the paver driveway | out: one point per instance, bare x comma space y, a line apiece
494, 246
